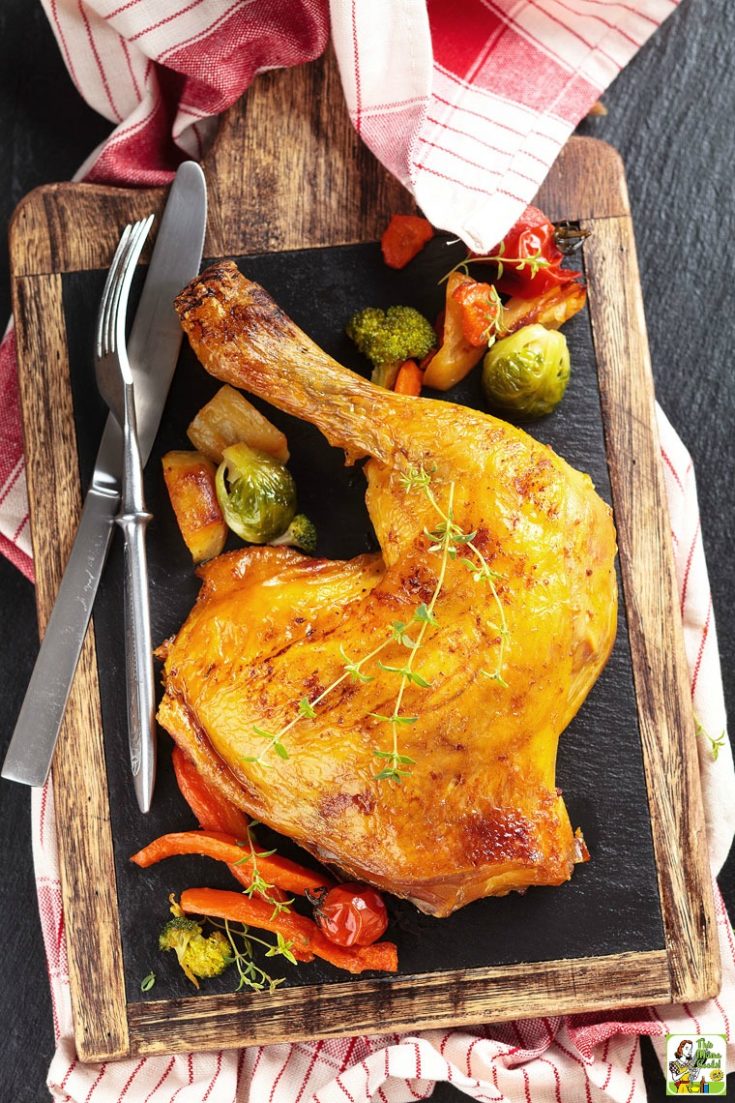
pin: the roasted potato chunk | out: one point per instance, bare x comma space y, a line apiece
189, 478
230, 419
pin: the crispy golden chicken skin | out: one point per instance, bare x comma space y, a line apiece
478, 813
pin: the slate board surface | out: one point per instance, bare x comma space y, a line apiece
611, 904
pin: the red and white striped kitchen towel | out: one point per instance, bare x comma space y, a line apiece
468, 105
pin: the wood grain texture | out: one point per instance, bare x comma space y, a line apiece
82, 809
407, 1003
652, 605
287, 171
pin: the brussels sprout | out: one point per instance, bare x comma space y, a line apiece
257, 495
527, 373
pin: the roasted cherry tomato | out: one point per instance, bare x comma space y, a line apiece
532, 235
350, 914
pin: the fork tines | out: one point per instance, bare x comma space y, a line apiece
130, 244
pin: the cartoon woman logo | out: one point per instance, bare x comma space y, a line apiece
684, 1069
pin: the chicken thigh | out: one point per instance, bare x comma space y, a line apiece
398, 714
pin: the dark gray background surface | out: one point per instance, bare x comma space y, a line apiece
671, 116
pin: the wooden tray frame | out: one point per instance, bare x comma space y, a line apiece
287, 171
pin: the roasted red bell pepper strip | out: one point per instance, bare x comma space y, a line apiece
408, 380
403, 238
213, 811
278, 871
303, 932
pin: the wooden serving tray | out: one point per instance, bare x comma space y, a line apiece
288, 172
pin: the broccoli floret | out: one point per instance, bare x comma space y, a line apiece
388, 337
301, 533
199, 956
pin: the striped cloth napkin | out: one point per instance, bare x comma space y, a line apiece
468, 105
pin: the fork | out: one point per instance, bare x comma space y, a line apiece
115, 384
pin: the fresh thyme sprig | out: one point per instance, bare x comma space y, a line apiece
479, 567
495, 327
258, 885
446, 540
399, 765
715, 745
306, 709
250, 973
534, 263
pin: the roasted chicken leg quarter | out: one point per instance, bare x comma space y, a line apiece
459, 653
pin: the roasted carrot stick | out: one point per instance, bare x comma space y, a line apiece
163, 848
213, 811
304, 933
278, 871
408, 380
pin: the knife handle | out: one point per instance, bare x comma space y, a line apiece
133, 520
31, 748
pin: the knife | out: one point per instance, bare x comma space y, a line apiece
153, 349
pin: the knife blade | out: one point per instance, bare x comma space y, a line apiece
153, 349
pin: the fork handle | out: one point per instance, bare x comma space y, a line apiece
133, 520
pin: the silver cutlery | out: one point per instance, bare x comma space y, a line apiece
115, 384
153, 349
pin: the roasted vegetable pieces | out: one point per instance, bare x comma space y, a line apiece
301, 534
551, 309
350, 914
190, 481
389, 337
229, 418
528, 258
302, 932
256, 493
202, 956
403, 238
527, 265
456, 356
212, 810
481, 311
409, 378
278, 871
199, 955
266, 877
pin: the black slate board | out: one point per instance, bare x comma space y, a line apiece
611, 904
